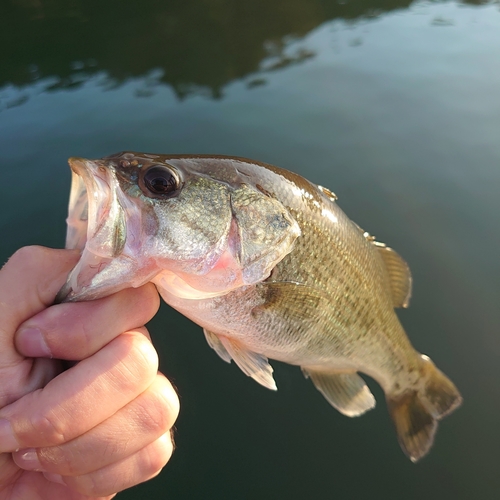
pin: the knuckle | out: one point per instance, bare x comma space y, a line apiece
25, 255
100, 483
160, 409
144, 356
158, 454
48, 429
135, 362
28, 252
83, 333
144, 465
88, 484
170, 403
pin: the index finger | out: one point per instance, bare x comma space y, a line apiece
76, 330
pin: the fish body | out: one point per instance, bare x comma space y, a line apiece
271, 268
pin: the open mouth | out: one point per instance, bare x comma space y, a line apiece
89, 201
96, 225
106, 226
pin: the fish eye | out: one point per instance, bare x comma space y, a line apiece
160, 181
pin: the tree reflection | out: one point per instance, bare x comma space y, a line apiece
192, 45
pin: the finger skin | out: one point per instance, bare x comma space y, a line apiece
26, 287
143, 465
135, 426
103, 383
28, 284
34, 486
75, 331
53, 410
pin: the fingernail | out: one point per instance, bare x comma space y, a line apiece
28, 459
30, 342
54, 478
7, 440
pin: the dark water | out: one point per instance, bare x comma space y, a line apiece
393, 105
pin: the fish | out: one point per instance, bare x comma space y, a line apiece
269, 266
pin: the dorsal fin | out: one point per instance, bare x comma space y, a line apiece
399, 275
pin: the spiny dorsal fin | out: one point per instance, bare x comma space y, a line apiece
347, 392
329, 194
399, 275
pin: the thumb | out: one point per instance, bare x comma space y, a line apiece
29, 281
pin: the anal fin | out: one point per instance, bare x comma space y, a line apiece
251, 363
347, 392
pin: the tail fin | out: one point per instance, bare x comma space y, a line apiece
416, 412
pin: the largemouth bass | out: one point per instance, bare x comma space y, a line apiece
271, 268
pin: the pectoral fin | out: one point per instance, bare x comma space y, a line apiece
290, 300
347, 392
252, 364
216, 345
399, 275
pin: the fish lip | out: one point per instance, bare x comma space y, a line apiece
90, 197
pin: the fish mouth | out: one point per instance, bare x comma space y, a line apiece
96, 225
89, 201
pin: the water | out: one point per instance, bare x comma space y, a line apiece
394, 106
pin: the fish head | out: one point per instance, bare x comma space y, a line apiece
197, 226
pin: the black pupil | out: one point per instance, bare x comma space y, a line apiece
160, 180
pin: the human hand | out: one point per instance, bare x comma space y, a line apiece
97, 428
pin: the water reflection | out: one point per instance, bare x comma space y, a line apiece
194, 46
